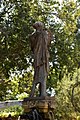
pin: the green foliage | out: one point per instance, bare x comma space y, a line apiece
67, 99
13, 111
17, 87
64, 49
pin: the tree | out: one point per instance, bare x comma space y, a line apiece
64, 46
67, 97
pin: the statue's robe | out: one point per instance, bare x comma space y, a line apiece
40, 41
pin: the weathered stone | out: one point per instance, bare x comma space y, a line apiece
43, 105
40, 41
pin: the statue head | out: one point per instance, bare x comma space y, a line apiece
38, 25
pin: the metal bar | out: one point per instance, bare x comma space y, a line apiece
10, 103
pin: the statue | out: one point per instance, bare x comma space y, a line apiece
40, 41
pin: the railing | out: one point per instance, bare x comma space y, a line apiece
10, 103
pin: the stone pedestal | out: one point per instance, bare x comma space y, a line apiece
44, 105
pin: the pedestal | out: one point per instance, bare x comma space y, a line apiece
45, 106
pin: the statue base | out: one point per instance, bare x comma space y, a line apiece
44, 105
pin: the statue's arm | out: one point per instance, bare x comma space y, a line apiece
31, 42
32, 38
